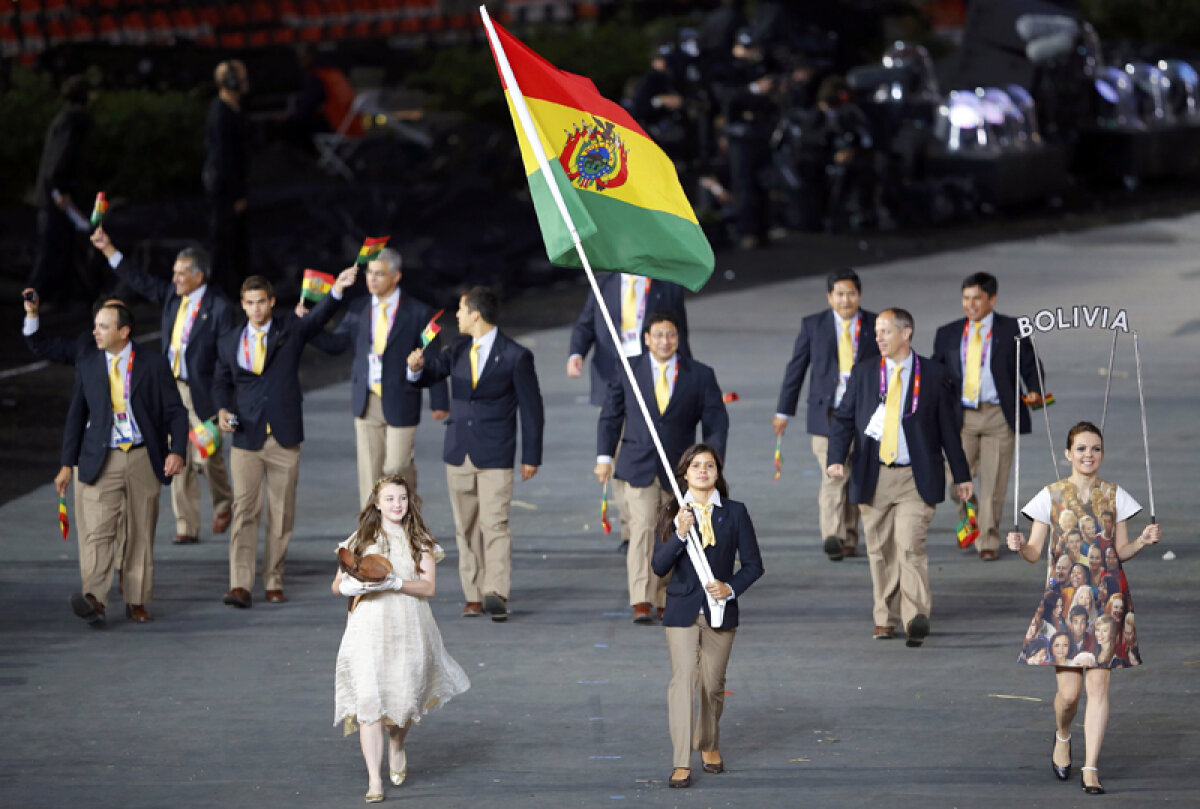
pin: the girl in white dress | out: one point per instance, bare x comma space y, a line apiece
392, 667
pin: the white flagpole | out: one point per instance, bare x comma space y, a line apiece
695, 549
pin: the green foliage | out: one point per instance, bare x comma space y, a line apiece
143, 145
26, 109
146, 145
1166, 22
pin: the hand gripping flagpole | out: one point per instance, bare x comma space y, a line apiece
1137, 357
695, 549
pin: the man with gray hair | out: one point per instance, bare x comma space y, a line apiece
194, 315
383, 328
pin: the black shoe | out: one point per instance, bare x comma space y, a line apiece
918, 629
1098, 789
1061, 773
833, 549
623, 547
495, 606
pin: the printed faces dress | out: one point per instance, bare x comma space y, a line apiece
1086, 617
392, 664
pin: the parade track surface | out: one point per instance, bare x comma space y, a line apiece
210, 706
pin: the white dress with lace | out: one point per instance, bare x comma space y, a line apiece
392, 664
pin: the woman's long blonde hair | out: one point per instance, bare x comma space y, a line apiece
370, 522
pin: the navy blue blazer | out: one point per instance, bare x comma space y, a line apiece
401, 399
274, 396
1002, 359
817, 348
735, 537
483, 419
695, 402
216, 316
60, 349
590, 332
930, 432
153, 398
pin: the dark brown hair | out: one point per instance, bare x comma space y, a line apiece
258, 282
370, 522
1084, 427
666, 516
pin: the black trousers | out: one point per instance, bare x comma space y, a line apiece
230, 247
51, 275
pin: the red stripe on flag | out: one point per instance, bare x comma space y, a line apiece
540, 79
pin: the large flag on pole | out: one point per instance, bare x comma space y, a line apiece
621, 189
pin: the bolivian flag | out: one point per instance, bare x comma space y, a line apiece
620, 188
99, 209
63, 523
315, 285
968, 529
206, 437
371, 249
431, 329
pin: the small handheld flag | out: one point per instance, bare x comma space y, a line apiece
315, 285
968, 529
99, 209
431, 329
778, 459
1044, 401
371, 249
604, 523
731, 397
206, 438
63, 522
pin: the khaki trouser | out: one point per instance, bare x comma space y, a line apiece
79, 517
988, 443
642, 504
699, 657
127, 490
279, 467
480, 500
382, 449
838, 516
185, 488
895, 522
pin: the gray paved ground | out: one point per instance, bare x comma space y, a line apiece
213, 707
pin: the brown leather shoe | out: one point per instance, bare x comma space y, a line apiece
661, 610
239, 597
276, 597
89, 608
184, 539
221, 522
138, 614
713, 767
849, 553
884, 633
987, 556
642, 613
472, 609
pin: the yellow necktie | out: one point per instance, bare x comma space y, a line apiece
889, 443
845, 349
116, 392
379, 343
629, 307
974, 361
474, 364
177, 336
707, 537
260, 352
662, 389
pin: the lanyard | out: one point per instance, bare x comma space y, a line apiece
986, 339
391, 319
128, 377
187, 325
916, 385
